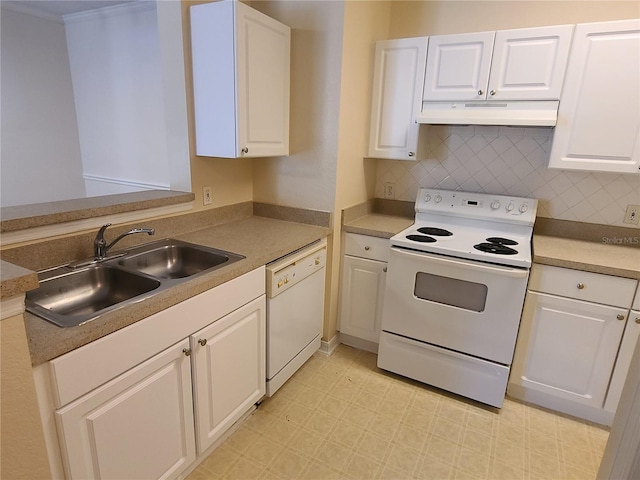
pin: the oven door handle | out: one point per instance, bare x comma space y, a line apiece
502, 270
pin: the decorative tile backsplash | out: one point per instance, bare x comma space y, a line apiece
510, 161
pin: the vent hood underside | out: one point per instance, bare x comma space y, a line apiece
509, 113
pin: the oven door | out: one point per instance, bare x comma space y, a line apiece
461, 305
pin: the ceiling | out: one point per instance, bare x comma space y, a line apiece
63, 7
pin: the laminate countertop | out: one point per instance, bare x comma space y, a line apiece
260, 240
606, 251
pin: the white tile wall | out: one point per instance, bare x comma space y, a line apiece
510, 161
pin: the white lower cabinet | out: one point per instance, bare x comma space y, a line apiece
364, 270
568, 348
229, 374
149, 400
139, 425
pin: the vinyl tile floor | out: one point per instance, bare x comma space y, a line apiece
340, 417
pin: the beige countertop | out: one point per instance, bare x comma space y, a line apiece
260, 240
606, 250
15, 280
589, 256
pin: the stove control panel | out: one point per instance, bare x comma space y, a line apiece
499, 208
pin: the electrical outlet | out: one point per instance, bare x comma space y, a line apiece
390, 190
207, 196
632, 215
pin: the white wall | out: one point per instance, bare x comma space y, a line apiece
117, 81
40, 155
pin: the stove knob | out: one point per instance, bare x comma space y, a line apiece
510, 206
438, 198
523, 208
495, 205
427, 198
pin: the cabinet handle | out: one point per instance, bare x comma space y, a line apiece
186, 351
492, 92
480, 92
367, 248
384, 269
245, 150
580, 286
411, 154
638, 320
202, 341
620, 316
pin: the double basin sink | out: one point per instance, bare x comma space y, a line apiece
72, 295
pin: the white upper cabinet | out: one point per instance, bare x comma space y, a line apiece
599, 117
522, 64
397, 90
458, 66
241, 76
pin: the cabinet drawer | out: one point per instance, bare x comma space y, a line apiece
591, 287
373, 248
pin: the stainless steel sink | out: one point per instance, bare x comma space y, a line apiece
170, 259
76, 296
69, 296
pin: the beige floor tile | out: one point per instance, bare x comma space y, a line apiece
245, 469
473, 462
346, 433
433, 468
361, 467
341, 417
373, 446
333, 455
506, 471
306, 442
264, 451
441, 448
289, 464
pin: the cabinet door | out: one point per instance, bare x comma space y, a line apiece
628, 345
599, 116
229, 359
263, 64
458, 66
398, 78
566, 348
139, 425
361, 297
529, 64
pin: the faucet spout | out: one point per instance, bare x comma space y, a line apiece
100, 245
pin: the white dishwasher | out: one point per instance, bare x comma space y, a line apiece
295, 311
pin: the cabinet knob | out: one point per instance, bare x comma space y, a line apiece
492, 92
580, 286
186, 351
411, 154
202, 341
480, 92
620, 316
638, 320
367, 248
384, 269
245, 150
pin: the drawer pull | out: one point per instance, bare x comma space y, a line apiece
620, 316
580, 286
202, 341
367, 248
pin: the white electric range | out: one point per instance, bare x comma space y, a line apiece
454, 292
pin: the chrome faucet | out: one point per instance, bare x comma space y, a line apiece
100, 246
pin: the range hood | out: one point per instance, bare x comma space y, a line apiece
509, 113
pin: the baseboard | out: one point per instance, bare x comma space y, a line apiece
327, 348
359, 343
